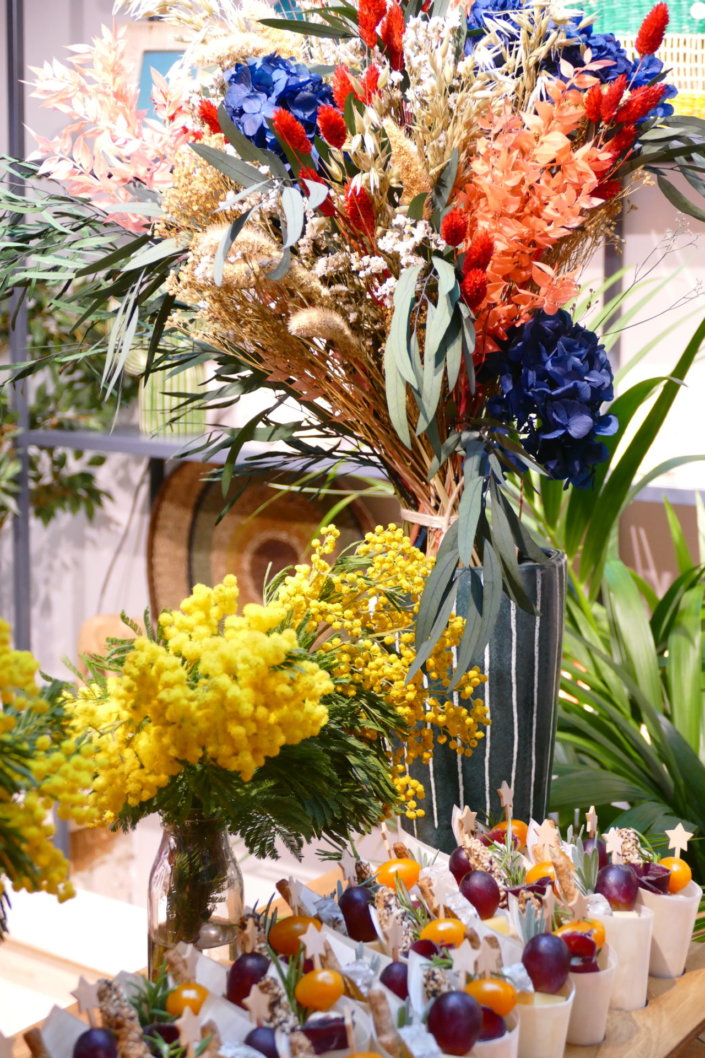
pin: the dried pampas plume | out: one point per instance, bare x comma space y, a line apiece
407, 165
324, 323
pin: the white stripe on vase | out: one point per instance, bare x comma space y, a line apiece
515, 713
537, 629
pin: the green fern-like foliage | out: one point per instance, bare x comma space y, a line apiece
329, 787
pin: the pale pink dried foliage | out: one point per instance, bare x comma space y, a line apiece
108, 143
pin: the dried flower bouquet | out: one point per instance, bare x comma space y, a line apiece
379, 210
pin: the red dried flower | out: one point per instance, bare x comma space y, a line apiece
621, 143
608, 189
392, 33
331, 125
474, 288
290, 131
306, 173
651, 33
208, 113
369, 15
479, 252
370, 83
642, 100
360, 210
342, 86
454, 227
593, 103
612, 97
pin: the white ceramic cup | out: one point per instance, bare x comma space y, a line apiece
593, 991
674, 919
543, 1029
629, 934
506, 1046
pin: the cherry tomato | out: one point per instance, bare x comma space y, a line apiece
493, 992
591, 926
519, 830
286, 933
319, 989
448, 931
681, 873
406, 870
189, 994
545, 869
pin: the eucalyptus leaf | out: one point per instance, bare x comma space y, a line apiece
293, 206
234, 168
227, 240
444, 184
283, 266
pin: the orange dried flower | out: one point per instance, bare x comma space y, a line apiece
331, 124
290, 131
652, 31
208, 113
454, 227
392, 33
359, 210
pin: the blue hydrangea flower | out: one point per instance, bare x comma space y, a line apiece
553, 377
257, 87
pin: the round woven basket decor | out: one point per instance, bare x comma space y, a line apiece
265, 529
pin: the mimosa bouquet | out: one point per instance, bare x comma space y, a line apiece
40, 769
291, 720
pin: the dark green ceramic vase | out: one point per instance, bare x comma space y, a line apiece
522, 662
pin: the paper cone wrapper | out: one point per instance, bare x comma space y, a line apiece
588, 1018
543, 1029
506, 1046
629, 935
674, 919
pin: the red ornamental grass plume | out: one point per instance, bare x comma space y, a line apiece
474, 287
342, 86
612, 97
331, 124
593, 103
621, 143
370, 83
650, 36
608, 189
306, 173
359, 210
208, 113
392, 33
290, 131
479, 253
454, 227
369, 15
642, 101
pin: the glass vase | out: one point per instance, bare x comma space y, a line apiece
195, 891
